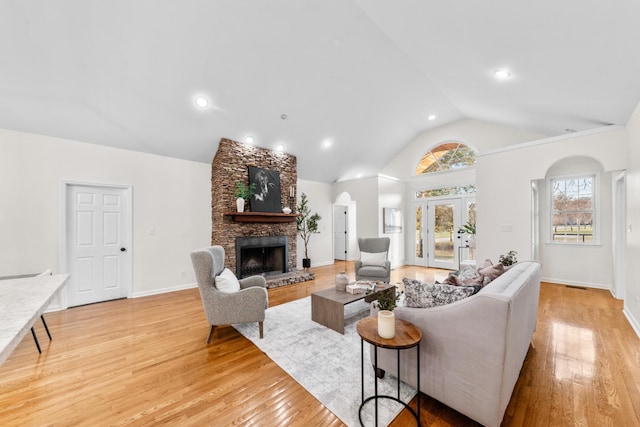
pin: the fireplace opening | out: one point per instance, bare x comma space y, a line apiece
261, 255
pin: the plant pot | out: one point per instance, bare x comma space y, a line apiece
240, 204
306, 262
386, 324
472, 240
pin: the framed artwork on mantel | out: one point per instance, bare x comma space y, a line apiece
266, 197
392, 218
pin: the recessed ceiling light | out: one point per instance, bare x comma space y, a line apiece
431, 117
570, 130
249, 139
280, 148
327, 143
502, 74
202, 101
283, 116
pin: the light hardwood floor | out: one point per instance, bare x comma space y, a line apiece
145, 362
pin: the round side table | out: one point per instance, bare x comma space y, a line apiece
407, 336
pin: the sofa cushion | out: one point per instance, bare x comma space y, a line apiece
227, 282
425, 295
373, 258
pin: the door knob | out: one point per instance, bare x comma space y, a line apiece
123, 249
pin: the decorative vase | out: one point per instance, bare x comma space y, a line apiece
286, 210
386, 324
240, 204
472, 240
342, 280
306, 262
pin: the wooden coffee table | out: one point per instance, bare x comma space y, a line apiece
327, 306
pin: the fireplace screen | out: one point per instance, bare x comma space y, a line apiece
261, 255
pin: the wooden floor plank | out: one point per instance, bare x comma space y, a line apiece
145, 361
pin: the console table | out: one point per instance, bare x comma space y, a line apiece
407, 336
22, 302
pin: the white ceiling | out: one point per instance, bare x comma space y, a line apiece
363, 73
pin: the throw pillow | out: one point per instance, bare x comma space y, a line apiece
486, 263
492, 272
373, 258
467, 272
227, 282
424, 295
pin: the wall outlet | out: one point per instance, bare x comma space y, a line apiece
506, 228
183, 274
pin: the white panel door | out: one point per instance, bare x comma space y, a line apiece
340, 232
97, 227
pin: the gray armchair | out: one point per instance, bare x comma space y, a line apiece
246, 305
373, 263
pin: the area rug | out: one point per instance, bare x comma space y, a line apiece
326, 363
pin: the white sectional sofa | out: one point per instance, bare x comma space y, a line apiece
472, 350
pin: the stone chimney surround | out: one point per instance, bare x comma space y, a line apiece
230, 165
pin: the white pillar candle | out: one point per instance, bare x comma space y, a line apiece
386, 324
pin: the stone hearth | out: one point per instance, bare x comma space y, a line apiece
289, 278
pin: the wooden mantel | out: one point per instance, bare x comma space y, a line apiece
262, 216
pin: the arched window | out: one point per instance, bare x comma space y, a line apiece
447, 156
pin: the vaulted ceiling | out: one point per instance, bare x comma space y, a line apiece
343, 84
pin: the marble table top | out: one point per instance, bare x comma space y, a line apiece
22, 301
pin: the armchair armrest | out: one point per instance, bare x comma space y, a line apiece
246, 305
252, 281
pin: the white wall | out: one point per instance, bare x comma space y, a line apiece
632, 299
321, 244
364, 192
392, 194
504, 180
172, 196
476, 134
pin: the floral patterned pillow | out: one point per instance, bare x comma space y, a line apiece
425, 295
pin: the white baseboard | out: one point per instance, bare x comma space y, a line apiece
576, 283
632, 321
163, 290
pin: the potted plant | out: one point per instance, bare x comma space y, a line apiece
385, 303
243, 192
307, 224
509, 259
386, 300
470, 229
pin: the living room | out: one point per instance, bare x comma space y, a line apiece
171, 200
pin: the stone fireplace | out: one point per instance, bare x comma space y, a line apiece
230, 164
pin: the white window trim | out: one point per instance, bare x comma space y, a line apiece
596, 209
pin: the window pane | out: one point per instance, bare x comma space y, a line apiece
444, 233
572, 210
451, 155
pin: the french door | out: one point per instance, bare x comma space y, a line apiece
437, 239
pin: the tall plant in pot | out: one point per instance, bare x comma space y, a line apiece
307, 224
